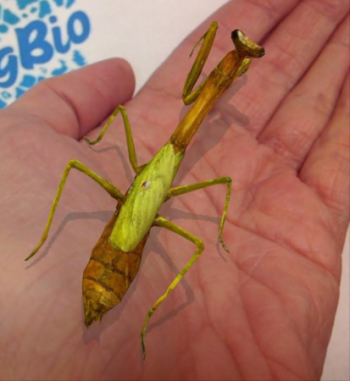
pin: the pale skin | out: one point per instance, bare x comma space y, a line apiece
271, 301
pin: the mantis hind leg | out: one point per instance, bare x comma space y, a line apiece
164, 223
208, 39
109, 187
204, 184
128, 133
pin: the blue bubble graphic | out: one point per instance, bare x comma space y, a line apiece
61, 69
2, 104
45, 9
24, 3
3, 28
10, 17
27, 81
6, 94
78, 58
70, 3
19, 92
59, 3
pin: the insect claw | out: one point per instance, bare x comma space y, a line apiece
223, 245
32, 254
143, 345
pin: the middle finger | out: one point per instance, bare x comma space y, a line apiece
290, 50
306, 110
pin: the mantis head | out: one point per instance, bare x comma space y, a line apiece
245, 46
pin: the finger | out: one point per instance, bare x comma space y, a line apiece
290, 50
327, 166
307, 109
255, 17
74, 103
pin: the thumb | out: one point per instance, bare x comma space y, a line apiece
75, 103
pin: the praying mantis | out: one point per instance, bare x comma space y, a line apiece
116, 257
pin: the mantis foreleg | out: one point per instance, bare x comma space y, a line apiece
109, 187
244, 67
202, 56
164, 223
129, 139
203, 184
208, 39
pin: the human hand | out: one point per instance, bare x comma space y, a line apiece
263, 311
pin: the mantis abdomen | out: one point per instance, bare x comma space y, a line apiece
108, 274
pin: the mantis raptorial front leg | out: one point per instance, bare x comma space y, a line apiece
129, 139
208, 39
204, 184
164, 223
109, 187
202, 56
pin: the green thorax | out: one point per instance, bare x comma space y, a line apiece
144, 198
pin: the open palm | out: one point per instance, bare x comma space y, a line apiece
263, 311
